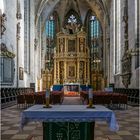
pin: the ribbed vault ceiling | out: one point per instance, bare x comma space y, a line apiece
44, 8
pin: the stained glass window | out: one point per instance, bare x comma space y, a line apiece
94, 37
50, 28
72, 19
94, 24
50, 41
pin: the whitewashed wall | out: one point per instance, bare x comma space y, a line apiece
9, 37
132, 29
10, 40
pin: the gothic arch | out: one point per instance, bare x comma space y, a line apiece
57, 21
86, 23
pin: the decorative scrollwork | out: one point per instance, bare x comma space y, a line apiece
18, 14
126, 59
35, 43
3, 18
18, 30
126, 69
4, 52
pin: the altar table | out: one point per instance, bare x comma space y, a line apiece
69, 122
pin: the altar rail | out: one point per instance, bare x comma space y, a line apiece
9, 95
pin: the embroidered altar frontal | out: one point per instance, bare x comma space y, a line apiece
68, 130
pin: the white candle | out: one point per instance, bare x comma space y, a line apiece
47, 93
90, 93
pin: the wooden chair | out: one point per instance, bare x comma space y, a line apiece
98, 99
21, 100
3, 98
29, 98
123, 100
107, 99
116, 100
56, 97
38, 99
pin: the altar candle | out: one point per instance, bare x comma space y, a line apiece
47, 98
90, 95
47, 93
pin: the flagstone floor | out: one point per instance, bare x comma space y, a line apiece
128, 122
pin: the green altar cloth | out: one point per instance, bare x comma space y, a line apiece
68, 130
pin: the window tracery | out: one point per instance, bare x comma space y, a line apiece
94, 35
72, 23
51, 30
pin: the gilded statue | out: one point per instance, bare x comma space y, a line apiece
71, 28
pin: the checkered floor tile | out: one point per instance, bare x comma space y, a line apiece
128, 126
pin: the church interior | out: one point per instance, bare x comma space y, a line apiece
71, 52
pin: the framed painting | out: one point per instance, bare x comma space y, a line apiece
71, 71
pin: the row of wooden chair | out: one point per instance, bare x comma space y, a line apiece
110, 99
26, 100
9, 95
132, 94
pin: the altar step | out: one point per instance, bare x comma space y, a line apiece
72, 101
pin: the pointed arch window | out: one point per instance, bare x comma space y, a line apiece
52, 27
72, 17
94, 37
94, 24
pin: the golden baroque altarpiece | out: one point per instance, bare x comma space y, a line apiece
71, 59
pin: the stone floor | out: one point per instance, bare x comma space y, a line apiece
128, 122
